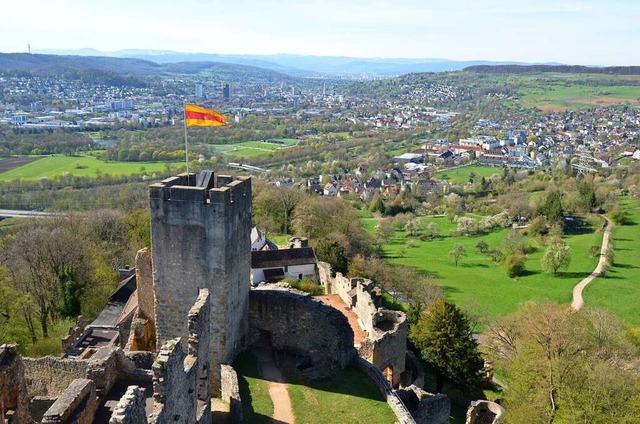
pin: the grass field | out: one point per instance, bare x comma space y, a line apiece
349, 397
253, 148
479, 284
257, 406
620, 289
461, 175
48, 166
569, 91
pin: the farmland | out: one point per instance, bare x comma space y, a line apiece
49, 166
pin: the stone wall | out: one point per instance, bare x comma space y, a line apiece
300, 324
386, 341
485, 412
144, 283
181, 379
390, 395
76, 405
73, 335
131, 408
49, 376
426, 407
200, 237
231, 393
14, 400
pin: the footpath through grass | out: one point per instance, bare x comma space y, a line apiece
257, 406
620, 289
82, 166
477, 283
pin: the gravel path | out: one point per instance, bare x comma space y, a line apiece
578, 301
282, 411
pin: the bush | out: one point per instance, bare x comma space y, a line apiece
514, 265
482, 247
306, 286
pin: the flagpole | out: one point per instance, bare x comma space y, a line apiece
186, 152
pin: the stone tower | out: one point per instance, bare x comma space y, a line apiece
200, 238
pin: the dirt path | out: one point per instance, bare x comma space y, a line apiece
578, 301
336, 302
282, 411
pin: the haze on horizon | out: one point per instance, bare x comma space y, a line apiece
581, 32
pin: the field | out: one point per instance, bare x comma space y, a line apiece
557, 92
253, 148
620, 289
461, 174
480, 285
7, 164
48, 166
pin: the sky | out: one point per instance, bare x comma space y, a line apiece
581, 32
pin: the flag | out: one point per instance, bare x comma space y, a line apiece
196, 116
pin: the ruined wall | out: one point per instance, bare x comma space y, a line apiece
301, 324
131, 408
231, 393
181, 379
390, 395
144, 283
77, 404
49, 376
201, 238
143, 326
14, 399
485, 412
425, 407
73, 335
386, 341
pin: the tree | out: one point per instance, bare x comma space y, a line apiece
414, 227
384, 230
432, 231
446, 342
467, 226
564, 366
458, 252
556, 257
332, 252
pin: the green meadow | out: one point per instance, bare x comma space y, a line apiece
49, 166
619, 290
253, 148
477, 283
461, 174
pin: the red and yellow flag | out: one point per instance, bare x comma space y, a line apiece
196, 116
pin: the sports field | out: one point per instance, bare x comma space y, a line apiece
253, 148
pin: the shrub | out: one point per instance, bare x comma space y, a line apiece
514, 265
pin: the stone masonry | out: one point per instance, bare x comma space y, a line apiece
200, 238
181, 379
386, 341
298, 323
14, 399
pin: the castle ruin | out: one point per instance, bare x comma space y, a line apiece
192, 312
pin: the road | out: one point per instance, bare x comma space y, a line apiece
578, 301
8, 213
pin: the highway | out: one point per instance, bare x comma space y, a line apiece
8, 213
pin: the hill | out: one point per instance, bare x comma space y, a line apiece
117, 71
564, 69
301, 65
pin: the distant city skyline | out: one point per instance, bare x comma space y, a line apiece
581, 32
